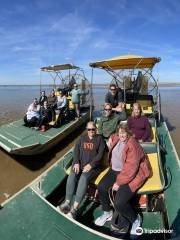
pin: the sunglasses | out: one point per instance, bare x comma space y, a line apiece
113, 89
108, 109
91, 129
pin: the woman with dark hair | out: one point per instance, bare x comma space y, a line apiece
129, 169
139, 124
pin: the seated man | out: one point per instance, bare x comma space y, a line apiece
139, 124
46, 114
115, 98
52, 102
87, 155
52, 99
109, 121
32, 116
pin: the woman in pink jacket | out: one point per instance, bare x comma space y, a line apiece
129, 169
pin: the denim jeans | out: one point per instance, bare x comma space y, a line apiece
80, 181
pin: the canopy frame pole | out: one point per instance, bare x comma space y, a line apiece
76, 72
60, 76
91, 96
54, 79
114, 75
69, 74
156, 87
40, 80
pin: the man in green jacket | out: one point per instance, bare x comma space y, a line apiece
109, 121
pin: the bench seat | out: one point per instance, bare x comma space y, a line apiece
153, 184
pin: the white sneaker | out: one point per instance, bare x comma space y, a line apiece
136, 224
106, 216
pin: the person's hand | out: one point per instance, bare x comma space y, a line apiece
87, 168
76, 168
122, 105
109, 142
115, 187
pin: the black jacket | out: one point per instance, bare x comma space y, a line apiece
89, 151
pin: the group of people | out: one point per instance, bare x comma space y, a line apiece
129, 166
114, 113
41, 112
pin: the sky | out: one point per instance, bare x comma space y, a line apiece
38, 33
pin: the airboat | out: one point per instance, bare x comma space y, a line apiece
17, 139
32, 213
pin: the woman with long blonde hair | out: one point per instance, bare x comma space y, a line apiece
139, 124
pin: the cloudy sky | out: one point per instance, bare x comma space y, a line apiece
37, 33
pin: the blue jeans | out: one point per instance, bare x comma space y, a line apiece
80, 181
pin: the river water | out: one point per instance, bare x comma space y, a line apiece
16, 172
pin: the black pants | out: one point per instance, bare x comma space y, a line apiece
33, 122
122, 199
45, 120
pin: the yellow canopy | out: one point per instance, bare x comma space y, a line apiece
126, 62
59, 67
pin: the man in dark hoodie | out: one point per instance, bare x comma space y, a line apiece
86, 164
110, 120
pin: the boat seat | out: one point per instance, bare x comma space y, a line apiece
128, 106
147, 110
70, 104
59, 115
154, 134
154, 184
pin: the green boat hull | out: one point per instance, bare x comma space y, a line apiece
17, 139
31, 214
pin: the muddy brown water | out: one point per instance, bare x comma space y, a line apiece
18, 171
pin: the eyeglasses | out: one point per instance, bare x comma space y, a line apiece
91, 129
108, 109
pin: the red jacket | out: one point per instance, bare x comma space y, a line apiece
136, 168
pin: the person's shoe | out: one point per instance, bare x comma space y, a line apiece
43, 128
65, 207
136, 224
73, 213
106, 216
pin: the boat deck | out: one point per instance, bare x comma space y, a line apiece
30, 217
16, 138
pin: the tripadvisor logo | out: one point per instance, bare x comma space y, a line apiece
139, 231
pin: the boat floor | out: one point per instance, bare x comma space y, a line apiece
16, 136
29, 216
91, 210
